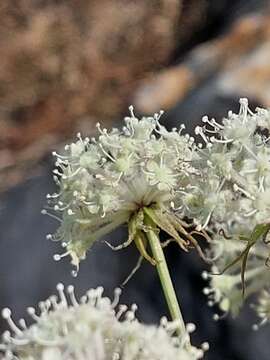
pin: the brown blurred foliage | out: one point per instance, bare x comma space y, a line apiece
239, 60
63, 60
70, 62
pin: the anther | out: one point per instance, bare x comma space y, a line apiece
70, 291
134, 308
164, 321
190, 327
205, 346
205, 275
6, 313
22, 324
206, 291
122, 309
131, 109
74, 273
32, 312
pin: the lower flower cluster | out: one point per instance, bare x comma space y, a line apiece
93, 328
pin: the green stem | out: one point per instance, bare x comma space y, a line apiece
165, 277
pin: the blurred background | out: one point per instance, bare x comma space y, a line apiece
66, 64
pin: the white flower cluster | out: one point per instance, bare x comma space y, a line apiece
105, 181
232, 201
226, 289
235, 171
222, 185
93, 328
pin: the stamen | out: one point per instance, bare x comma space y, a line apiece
70, 290
58, 257
182, 127
53, 196
121, 310
53, 301
6, 314
45, 212
22, 324
220, 141
74, 273
76, 172
205, 275
44, 306
130, 316
131, 110
60, 288
117, 294
212, 123
199, 131
106, 153
243, 191
190, 327
32, 312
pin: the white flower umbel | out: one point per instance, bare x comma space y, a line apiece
108, 181
132, 176
232, 200
93, 328
235, 170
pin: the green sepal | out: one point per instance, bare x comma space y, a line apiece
141, 244
135, 223
163, 221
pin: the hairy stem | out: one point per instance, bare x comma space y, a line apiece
165, 277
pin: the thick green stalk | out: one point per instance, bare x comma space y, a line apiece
164, 276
